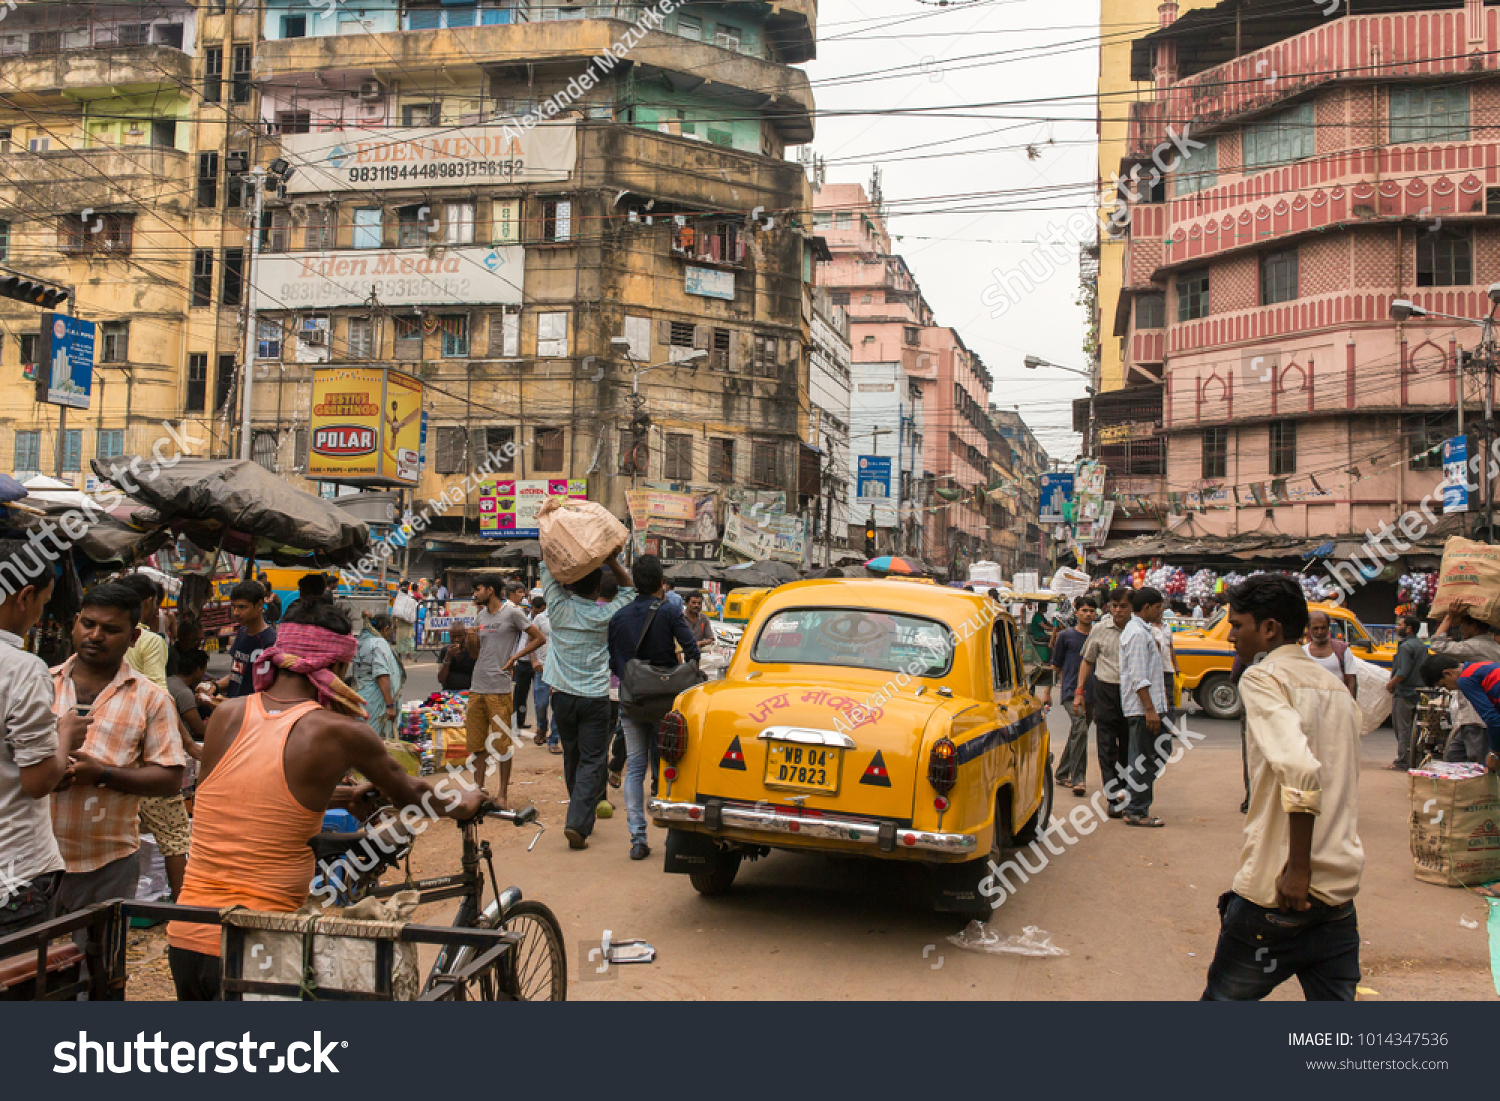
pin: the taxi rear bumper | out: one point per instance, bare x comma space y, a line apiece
886, 836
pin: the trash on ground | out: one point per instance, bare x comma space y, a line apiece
981, 936
1466, 923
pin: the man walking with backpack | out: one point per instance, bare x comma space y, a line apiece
645, 630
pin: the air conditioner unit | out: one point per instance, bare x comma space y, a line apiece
317, 338
371, 89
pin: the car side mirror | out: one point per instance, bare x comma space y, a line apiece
1361, 644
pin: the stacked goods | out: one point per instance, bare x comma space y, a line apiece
1455, 840
1069, 582
577, 537
1470, 573
1420, 588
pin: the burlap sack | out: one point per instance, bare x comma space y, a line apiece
1471, 573
1455, 830
577, 537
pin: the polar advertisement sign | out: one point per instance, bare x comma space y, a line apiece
399, 277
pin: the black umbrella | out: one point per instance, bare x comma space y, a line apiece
527, 548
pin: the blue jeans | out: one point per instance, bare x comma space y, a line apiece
541, 696
638, 739
1260, 948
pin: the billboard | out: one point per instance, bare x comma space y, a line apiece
1056, 492
780, 537
438, 156
1456, 474
874, 480
508, 508
450, 277
67, 355
366, 427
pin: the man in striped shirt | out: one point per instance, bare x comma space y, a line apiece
1143, 700
1479, 683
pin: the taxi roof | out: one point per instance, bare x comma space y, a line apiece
952, 606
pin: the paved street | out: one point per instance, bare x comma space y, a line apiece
1135, 908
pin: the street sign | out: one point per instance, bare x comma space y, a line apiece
67, 354
1455, 474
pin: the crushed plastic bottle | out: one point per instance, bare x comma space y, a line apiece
981, 936
1466, 923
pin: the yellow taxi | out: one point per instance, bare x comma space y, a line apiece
1206, 657
859, 717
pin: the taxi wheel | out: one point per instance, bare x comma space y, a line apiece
1039, 821
717, 878
1219, 696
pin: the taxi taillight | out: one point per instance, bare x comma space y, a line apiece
671, 736
942, 766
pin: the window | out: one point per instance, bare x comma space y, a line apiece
1281, 138
408, 338
680, 334
213, 74
110, 443
72, 450
366, 227
1444, 259
232, 286
458, 223
197, 382
28, 347
499, 448
263, 450
1492, 200
1283, 448
1425, 433
273, 230
208, 179
114, 342
1196, 170
321, 225
1151, 311
839, 298
1192, 294
721, 460
1001, 666
552, 334
718, 242
105, 233
843, 219
422, 114
28, 451
240, 88
721, 355
412, 226
449, 450
236, 165
912, 336
638, 334
455, 332
557, 219
548, 453
299, 449
43, 42
133, 34
910, 644
678, 459
361, 338
765, 464
1278, 277
763, 360
267, 338
294, 26
505, 335
690, 27
294, 122
203, 276
224, 378
727, 37
1430, 113
164, 133
1216, 452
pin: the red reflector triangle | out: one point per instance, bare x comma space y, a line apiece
734, 756
875, 774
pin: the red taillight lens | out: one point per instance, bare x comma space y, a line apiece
942, 767
671, 738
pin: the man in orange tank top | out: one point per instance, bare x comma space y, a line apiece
273, 762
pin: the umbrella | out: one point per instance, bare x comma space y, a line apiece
782, 572
10, 489
894, 563
839, 571
527, 548
695, 572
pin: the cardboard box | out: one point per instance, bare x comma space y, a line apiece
1455, 830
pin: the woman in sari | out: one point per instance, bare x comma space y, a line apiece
378, 676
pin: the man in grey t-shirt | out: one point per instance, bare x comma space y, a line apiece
491, 642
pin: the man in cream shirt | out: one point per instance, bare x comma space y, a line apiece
1291, 911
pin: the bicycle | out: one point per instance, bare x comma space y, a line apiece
355, 862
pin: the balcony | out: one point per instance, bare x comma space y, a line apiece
775, 91
70, 75
75, 179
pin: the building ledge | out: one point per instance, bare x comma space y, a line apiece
51, 78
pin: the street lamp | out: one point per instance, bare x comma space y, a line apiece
622, 345
277, 174
1033, 362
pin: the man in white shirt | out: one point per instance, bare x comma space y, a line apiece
404, 611
1291, 911
1144, 702
1331, 653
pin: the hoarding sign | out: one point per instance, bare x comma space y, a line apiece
780, 537
366, 427
1056, 492
709, 283
67, 371
463, 156
508, 508
1456, 474
874, 479
398, 277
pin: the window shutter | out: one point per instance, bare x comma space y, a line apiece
663, 331
512, 322
702, 337
734, 351
564, 226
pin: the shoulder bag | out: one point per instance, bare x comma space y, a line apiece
647, 691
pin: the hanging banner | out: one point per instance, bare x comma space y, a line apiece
1456, 475
508, 508
450, 277
366, 427
681, 517
443, 156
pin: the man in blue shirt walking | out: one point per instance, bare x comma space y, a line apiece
1067, 656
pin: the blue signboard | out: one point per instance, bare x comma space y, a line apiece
1056, 492
422, 446
1456, 474
67, 375
874, 479
709, 283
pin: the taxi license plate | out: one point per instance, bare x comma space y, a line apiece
803, 767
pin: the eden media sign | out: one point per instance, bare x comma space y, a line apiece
400, 277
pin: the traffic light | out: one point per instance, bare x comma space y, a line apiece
870, 540
32, 292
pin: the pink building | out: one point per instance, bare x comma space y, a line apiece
945, 512
1345, 162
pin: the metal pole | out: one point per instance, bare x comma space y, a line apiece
1463, 378
247, 375
62, 436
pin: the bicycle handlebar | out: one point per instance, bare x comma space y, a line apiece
522, 817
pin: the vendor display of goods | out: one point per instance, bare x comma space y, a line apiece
1418, 588
426, 725
577, 537
1471, 573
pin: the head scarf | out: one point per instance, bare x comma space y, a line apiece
309, 651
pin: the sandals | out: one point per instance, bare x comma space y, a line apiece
615, 779
555, 749
1079, 790
1144, 821
540, 738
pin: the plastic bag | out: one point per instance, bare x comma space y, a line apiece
981, 936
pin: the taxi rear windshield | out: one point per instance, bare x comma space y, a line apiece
857, 639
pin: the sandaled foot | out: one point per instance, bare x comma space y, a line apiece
614, 779
1144, 821
1080, 790
540, 738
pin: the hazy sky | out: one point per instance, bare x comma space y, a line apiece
947, 59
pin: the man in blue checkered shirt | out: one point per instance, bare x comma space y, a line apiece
1143, 698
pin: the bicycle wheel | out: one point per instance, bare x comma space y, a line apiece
541, 957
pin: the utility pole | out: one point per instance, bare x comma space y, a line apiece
256, 180
1463, 380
